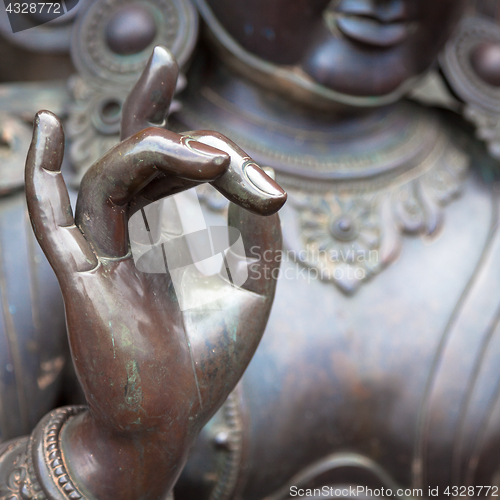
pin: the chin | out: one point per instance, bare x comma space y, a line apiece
358, 71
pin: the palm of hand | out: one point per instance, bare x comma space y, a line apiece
143, 362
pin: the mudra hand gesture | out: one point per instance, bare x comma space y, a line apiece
152, 374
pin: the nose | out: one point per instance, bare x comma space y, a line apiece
384, 11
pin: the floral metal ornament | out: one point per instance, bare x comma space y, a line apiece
349, 235
342, 235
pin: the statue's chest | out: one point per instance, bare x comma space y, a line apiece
401, 368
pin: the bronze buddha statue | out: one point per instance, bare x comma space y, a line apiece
378, 367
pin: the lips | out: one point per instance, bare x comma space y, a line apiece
379, 24
372, 32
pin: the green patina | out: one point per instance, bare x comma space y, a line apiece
133, 391
233, 330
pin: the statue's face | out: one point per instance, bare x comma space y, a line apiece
356, 47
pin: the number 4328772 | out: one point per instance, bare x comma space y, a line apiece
34, 8
471, 491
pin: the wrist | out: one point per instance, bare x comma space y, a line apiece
105, 463
61, 460
33, 467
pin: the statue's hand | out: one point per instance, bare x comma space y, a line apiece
149, 370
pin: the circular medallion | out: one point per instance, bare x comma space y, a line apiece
485, 60
471, 63
113, 39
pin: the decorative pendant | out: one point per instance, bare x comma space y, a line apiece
348, 235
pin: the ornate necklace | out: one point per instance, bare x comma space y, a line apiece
346, 221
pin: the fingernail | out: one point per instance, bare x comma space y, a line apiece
161, 55
204, 149
50, 140
47, 119
262, 181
